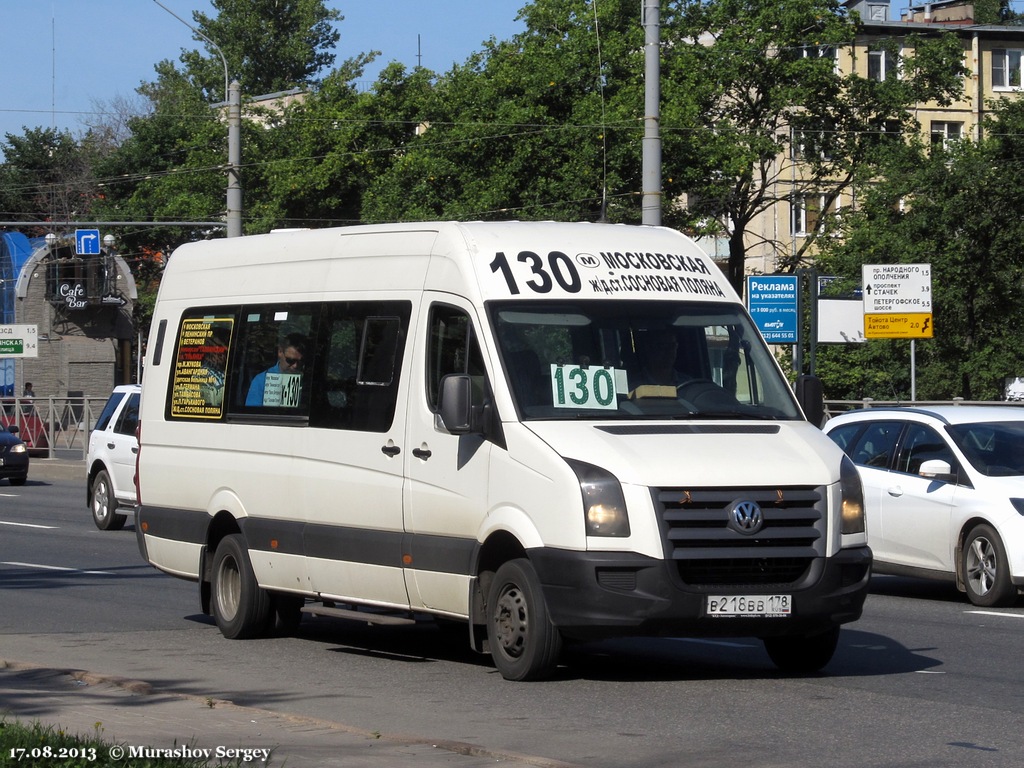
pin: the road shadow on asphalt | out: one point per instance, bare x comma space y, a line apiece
860, 653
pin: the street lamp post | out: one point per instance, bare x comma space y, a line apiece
233, 99
651, 172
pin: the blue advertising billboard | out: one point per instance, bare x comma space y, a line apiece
773, 302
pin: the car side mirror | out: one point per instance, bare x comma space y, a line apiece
455, 404
936, 469
811, 396
14, 429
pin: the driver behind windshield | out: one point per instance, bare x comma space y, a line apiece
657, 353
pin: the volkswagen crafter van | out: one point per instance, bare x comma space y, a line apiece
468, 421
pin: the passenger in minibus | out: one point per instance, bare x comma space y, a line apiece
290, 352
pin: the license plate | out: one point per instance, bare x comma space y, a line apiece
750, 605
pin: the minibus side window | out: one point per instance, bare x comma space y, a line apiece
359, 372
199, 376
453, 349
276, 359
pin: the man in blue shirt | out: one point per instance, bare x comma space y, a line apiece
290, 352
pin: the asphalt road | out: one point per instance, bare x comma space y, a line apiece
924, 679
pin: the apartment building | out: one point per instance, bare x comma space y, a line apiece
993, 55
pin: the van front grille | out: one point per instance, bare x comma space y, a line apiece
710, 550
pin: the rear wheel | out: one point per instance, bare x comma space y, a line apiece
524, 644
802, 654
241, 609
985, 569
104, 505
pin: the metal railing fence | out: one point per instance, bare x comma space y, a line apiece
53, 426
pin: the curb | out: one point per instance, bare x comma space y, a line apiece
56, 469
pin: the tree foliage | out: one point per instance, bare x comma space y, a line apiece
752, 85
48, 175
269, 45
544, 125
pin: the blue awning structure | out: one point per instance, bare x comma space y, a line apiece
15, 250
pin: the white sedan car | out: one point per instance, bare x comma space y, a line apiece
943, 493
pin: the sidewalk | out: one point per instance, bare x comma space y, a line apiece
129, 714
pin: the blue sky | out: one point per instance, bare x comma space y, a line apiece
63, 59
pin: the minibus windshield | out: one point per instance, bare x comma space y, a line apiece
638, 359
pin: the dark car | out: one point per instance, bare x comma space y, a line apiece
13, 457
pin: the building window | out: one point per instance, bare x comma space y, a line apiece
882, 64
945, 133
811, 213
1006, 68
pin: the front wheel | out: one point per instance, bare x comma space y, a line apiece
104, 504
241, 608
985, 569
802, 654
524, 644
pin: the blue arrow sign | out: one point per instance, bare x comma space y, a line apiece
87, 242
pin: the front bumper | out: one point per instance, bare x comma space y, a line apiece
593, 595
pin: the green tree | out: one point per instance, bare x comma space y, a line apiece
958, 210
328, 149
545, 125
269, 45
47, 175
171, 168
173, 165
759, 114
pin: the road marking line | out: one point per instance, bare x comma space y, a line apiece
59, 568
29, 525
997, 613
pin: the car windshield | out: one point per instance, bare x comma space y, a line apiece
626, 359
994, 448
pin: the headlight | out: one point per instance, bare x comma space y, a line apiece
19, 448
852, 493
604, 508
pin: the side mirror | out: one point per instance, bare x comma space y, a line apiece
14, 429
811, 396
936, 469
456, 403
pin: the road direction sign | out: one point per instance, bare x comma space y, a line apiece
87, 242
897, 301
19, 341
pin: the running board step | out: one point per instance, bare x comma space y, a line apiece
348, 613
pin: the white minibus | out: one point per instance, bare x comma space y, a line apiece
550, 432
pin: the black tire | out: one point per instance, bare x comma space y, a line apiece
802, 654
524, 644
104, 505
18, 480
985, 569
240, 608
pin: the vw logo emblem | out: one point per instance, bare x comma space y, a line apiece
745, 517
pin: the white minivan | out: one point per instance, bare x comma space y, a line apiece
548, 431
